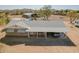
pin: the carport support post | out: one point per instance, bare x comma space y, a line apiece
37, 35
28, 35
45, 35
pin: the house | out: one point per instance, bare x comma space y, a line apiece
36, 29
29, 16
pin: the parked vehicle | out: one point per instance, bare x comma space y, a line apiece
76, 23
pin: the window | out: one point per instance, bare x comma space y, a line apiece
21, 30
10, 30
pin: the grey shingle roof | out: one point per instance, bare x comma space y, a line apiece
19, 23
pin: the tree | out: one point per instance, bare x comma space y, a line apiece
34, 16
18, 12
41, 14
73, 15
7, 18
46, 11
4, 18
2, 14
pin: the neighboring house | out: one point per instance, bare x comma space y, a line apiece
29, 15
76, 22
36, 29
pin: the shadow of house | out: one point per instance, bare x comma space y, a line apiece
37, 42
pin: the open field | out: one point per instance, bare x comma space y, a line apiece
73, 34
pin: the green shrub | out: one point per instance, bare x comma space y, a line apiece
3, 21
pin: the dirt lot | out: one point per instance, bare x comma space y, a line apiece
73, 34
58, 17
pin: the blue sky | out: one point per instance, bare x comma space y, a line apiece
75, 7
